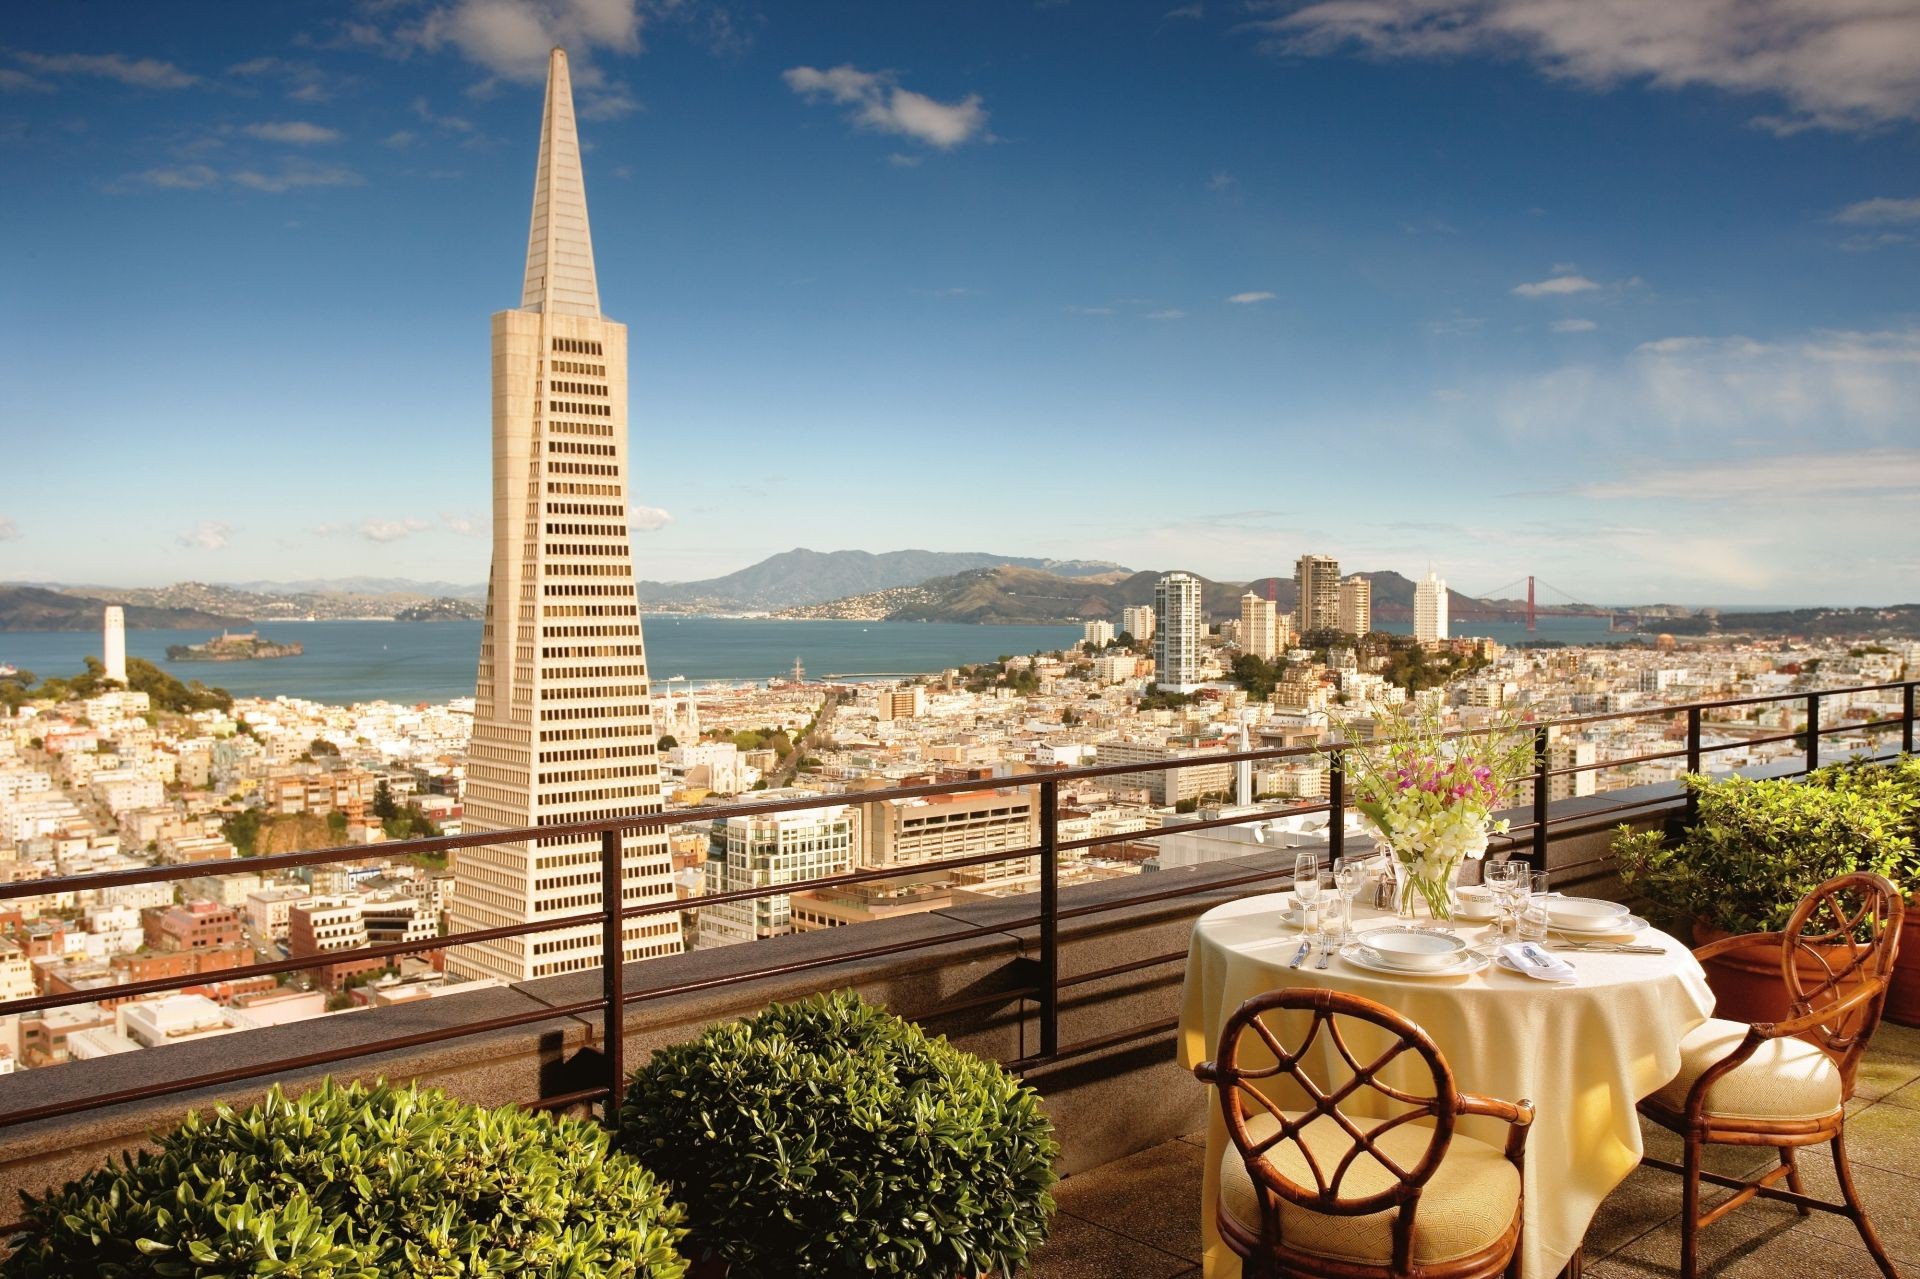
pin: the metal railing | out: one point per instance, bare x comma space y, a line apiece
1038, 980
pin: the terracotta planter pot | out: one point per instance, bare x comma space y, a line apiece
1746, 982
1903, 996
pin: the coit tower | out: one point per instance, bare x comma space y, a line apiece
562, 728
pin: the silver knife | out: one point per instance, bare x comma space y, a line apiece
1609, 948
1300, 954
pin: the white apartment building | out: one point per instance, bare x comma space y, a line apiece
1260, 632
716, 766
1098, 633
1180, 621
1137, 620
904, 832
1356, 605
1168, 786
765, 850
562, 721
1430, 609
1116, 668
901, 703
1566, 754
1316, 580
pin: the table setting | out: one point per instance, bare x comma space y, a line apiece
1574, 1003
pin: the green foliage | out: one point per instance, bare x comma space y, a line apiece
337, 824
1156, 699
827, 1138
242, 830
1258, 675
163, 691
1758, 846
668, 741
1896, 784
351, 1182
384, 805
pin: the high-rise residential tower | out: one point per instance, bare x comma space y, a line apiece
1317, 580
1137, 620
113, 644
562, 727
1356, 605
1259, 626
1178, 625
1430, 609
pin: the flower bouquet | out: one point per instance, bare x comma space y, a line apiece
1431, 796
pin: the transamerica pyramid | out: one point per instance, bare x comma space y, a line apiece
562, 727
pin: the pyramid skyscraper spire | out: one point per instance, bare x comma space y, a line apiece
562, 719
560, 277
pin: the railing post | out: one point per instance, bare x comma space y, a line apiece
1049, 918
613, 971
1540, 759
1336, 807
1693, 761
1813, 731
1906, 719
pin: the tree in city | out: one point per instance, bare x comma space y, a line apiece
384, 806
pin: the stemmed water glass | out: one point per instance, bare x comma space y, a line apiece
1306, 882
1507, 881
1350, 875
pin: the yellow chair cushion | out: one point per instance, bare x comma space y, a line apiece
1470, 1202
1784, 1079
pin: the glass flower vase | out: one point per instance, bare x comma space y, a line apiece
1418, 898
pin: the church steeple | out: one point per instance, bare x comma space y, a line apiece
560, 279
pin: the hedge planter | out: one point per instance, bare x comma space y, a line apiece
828, 1139
350, 1182
1903, 997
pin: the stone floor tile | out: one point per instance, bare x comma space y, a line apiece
1200, 1138
1886, 1137
1079, 1249
1152, 1197
1892, 1062
1758, 1241
1908, 1097
1646, 1200
1892, 1200
1730, 1161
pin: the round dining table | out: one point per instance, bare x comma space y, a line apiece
1584, 1053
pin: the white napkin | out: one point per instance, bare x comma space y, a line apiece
1533, 960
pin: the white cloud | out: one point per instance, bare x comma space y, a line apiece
1194, 11
466, 525
1879, 212
9, 531
880, 104
291, 176
294, 132
512, 38
400, 138
12, 81
1170, 313
208, 535
1836, 64
1089, 310
609, 104
900, 160
382, 530
1554, 286
1221, 181
1888, 472
1246, 298
648, 518
1573, 326
141, 73
179, 177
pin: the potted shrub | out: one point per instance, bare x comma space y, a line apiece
1897, 785
1754, 850
829, 1138
352, 1182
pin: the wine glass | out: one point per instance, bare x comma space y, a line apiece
1306, 880
1333, 926
1350, 875
1506, 881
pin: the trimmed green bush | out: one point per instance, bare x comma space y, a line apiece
351, 1182
828, 1138
1758, 846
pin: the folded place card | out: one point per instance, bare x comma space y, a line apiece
1530, 959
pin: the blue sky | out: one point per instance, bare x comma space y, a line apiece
1620, 293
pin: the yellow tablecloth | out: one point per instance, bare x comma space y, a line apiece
1584, 1053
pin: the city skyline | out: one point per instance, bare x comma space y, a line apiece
1634, 318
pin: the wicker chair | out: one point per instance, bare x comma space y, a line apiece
1319, 1193
1785, 1084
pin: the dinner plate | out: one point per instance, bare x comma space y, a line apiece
1471, 962
1625, 926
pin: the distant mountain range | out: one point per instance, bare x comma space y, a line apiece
802, 576
1010, 594
33, 608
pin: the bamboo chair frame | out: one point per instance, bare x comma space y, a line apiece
1260, 1244
1855, 919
